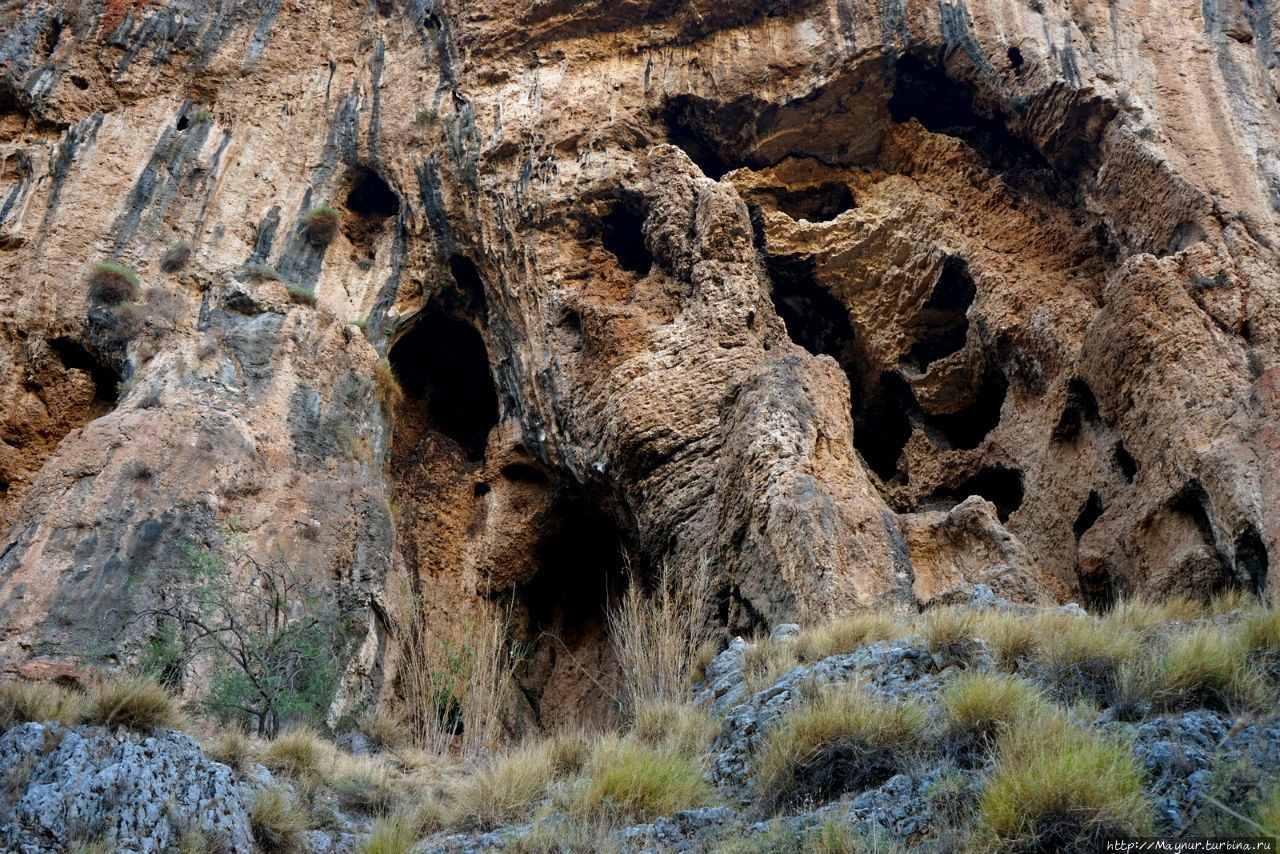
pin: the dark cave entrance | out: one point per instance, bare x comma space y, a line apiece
106, 380
814, 318
370, 203
942, 324
622, 234
965, 430
443, 368
822, 203
1000, 485
883, 425
570, 675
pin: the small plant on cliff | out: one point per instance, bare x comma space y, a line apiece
301, 295
269, 635
389, 390
112, 284
320, 225
175, 257
426, 116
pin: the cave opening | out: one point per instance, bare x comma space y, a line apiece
1251, 561
814, 318
623, 236
442, 360
583, 569
882, 424
370, 203
1000, 485
106, 380
1089, 513
691, 125
1081, 408
965, 430
1125, 462
822, 203
942, 324
923, 91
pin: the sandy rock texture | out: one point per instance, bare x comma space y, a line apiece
781, 286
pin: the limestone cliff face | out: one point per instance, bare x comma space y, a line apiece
779, 285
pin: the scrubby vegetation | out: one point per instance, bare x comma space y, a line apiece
175, 257
1024, 734
320, 224
112, 284
301, 295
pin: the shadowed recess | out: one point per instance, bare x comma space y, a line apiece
942, 324
814, 318
75, 357
998, 484
1081, 407
1089, 513
443, 360
623, 236
967, 428
883, 425
822, 203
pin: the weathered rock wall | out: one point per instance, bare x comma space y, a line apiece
778, 285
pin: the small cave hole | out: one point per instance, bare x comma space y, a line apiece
965, 430
522, 473
430, 21
1081, 407
79, 82
442, 360
692, 127
623, 236
814, 318
822, 203
942, 324
1125, 462
1251, 561
1000, 485
51, 36
370, 203
1015, 59
883, 425
1098, 592
75, 357
1089, 513
470, 287
183, 122
480, 490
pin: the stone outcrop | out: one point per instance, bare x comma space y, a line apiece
776, 285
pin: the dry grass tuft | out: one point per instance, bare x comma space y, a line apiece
1201, 668
844, 740
135, 702
385, 728
657, 637
674, 726
630, 781
1012, 639
278, 823
1080, 656
1259, 639
394, 834
176, 257
299, 295
232, 748
949, 631
296, 752
1059, 787
504, 789
39, 702
844, 635
979, 705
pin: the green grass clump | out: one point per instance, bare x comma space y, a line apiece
1080, 656
278, 823
1259, 639
296, 752
1266, 816
301, 295
394, 834
843, 635
1200, 668
112, 284
39, 702
138, 703
843, 740
505, 788
1057, 786
632, 781
320, 225
674, 726
830, 837
979, 705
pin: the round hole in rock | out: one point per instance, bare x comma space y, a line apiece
443, 360
371, 196
79, 82
1000, 485
623, 236
942, 324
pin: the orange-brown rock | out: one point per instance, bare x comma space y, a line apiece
777, 285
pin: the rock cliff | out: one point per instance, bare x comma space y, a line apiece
778, 285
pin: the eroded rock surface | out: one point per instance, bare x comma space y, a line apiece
782, 286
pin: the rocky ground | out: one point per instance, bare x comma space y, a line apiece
137, 791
